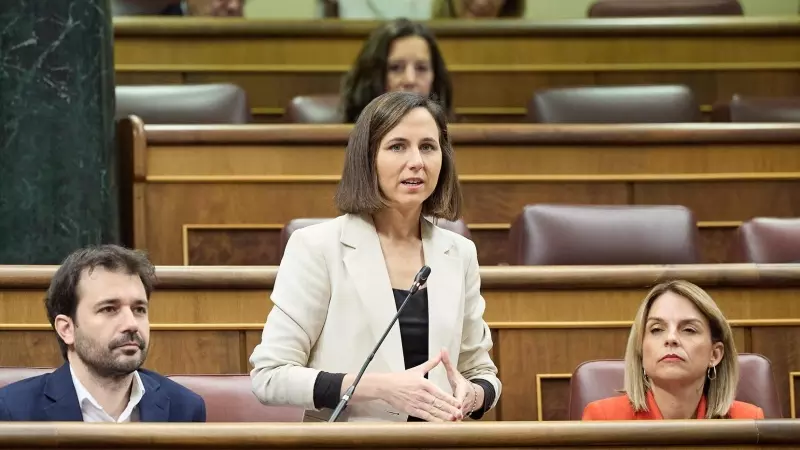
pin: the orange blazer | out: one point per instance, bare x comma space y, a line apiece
620, 408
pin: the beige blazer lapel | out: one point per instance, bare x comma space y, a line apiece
445, 294
366, 268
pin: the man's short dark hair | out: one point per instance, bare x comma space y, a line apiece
62, 295
359, 191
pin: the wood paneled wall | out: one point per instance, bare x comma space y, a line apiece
545, 321
495, 65
209, 195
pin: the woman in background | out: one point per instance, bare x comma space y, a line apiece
478, 9
681, 362
401, 55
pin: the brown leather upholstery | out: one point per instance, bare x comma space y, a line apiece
603, 235
664, 8
314, 109
184, 104
766, 240
614, 104
458, 227
10, 375
294, 225
596, 380
764, 109
721, 112
229, 398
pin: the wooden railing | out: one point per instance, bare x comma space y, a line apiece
219, 195
495, 65
544, 320
575, 435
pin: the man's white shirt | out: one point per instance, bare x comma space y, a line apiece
93, 412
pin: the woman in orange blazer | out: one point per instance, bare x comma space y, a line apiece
680, 363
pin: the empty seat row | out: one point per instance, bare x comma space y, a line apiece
229, 398
622, 234
227, 104
601, 104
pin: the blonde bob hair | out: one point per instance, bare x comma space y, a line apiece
720, 392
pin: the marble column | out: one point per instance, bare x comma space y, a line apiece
58, 182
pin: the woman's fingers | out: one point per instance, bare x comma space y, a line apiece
438, 407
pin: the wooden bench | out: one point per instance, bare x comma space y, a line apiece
545, 321
700, 434
219, 195
495, 65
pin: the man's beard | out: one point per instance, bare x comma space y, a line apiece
100, 359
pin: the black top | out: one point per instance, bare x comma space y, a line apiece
414, 337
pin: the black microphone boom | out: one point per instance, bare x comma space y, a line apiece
419, 280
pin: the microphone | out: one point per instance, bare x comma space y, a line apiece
419, 280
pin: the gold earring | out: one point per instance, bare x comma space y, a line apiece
712, 373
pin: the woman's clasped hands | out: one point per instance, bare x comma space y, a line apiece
412, 393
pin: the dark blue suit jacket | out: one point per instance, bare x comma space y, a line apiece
52, 398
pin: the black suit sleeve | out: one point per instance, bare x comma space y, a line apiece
5, 414
328, 390
488, 398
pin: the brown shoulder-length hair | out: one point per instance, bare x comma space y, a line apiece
720, 391
367, 77
359, 192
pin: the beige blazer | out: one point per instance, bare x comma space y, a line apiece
333, 300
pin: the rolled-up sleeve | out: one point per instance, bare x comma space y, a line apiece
474, 361
301, 296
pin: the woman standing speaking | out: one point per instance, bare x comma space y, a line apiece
340, 283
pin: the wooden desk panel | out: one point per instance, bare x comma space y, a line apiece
206, 195
717, 434
495, 65
545, 321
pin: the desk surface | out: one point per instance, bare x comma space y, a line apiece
173, 26
492, 278
678, 434
486, 134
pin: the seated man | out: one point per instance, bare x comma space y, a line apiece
97, 303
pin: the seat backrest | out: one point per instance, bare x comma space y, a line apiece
604, 235
294, 225
10, 375
229, 398
215, 103
596, 380
664, 8
458, 227
314, 109
764, 109
766, 240
614, 104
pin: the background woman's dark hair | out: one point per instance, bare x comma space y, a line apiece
444, 9
62, 295
359, 191
367, 77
